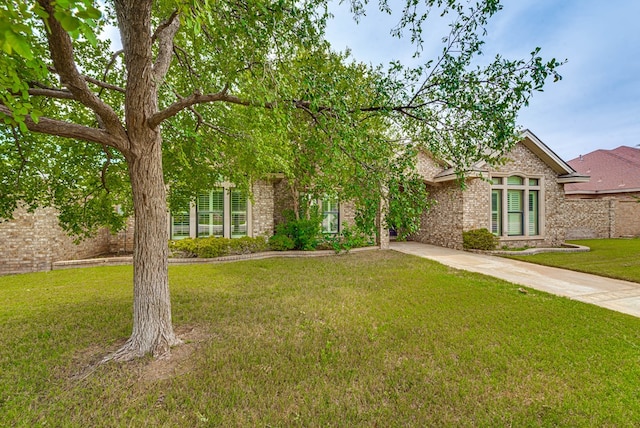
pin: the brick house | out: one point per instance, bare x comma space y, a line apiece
33, 241
611, 208
522, 201
224, 211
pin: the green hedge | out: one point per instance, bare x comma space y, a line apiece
217, 247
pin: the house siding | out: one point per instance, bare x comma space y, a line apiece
456, 210
262, 209
442, 224
31, 242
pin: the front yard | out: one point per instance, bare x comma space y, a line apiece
368, 339
615, 258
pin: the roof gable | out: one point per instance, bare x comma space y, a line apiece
566, 174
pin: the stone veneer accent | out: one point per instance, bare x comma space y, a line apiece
33, 241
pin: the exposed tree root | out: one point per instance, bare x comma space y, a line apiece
133, 349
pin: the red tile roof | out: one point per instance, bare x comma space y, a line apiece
611, 171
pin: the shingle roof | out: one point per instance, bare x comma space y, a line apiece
611, 171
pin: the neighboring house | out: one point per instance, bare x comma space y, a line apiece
522, 201
611, 196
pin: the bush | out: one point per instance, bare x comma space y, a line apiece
281, 243
212, 247
348, 238
305, 233
248, 245
184, 248
216, 247
479, 239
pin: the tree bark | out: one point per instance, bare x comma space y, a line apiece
152, 327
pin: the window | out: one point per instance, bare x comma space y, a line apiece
210, 209
221, 212
180, 225
238, 214
330, 215
515, 212
496, 211
515, 206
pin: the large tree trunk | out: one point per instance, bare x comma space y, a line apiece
152, 328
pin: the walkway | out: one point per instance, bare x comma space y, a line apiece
621, 296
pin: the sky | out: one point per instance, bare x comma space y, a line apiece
595, 106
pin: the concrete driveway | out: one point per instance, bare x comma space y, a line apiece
621, 296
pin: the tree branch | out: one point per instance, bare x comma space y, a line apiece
104, 85
61, 50
68, 130
198, 98
165, 34
62, 94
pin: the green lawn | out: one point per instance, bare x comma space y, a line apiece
615, 258
368, 339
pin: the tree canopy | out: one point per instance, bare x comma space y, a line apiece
237, 89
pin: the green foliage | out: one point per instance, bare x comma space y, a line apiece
212, 246
281, 243
479, 239
305, 233
331, 125
248, 245
348, 238
408, 201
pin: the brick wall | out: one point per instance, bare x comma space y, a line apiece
456, 211
604, 217
627, 217
122, 242
33, 241
262, 209
589, 218
442, 224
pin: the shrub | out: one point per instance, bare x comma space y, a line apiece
216, 247
184, 248
348, 238
305, 233
212, 247
281, 243
248, 245
479, 239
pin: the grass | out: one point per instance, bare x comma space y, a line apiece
614, 258
368, 339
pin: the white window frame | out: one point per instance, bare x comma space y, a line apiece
531, 185
332, 211
228, 230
